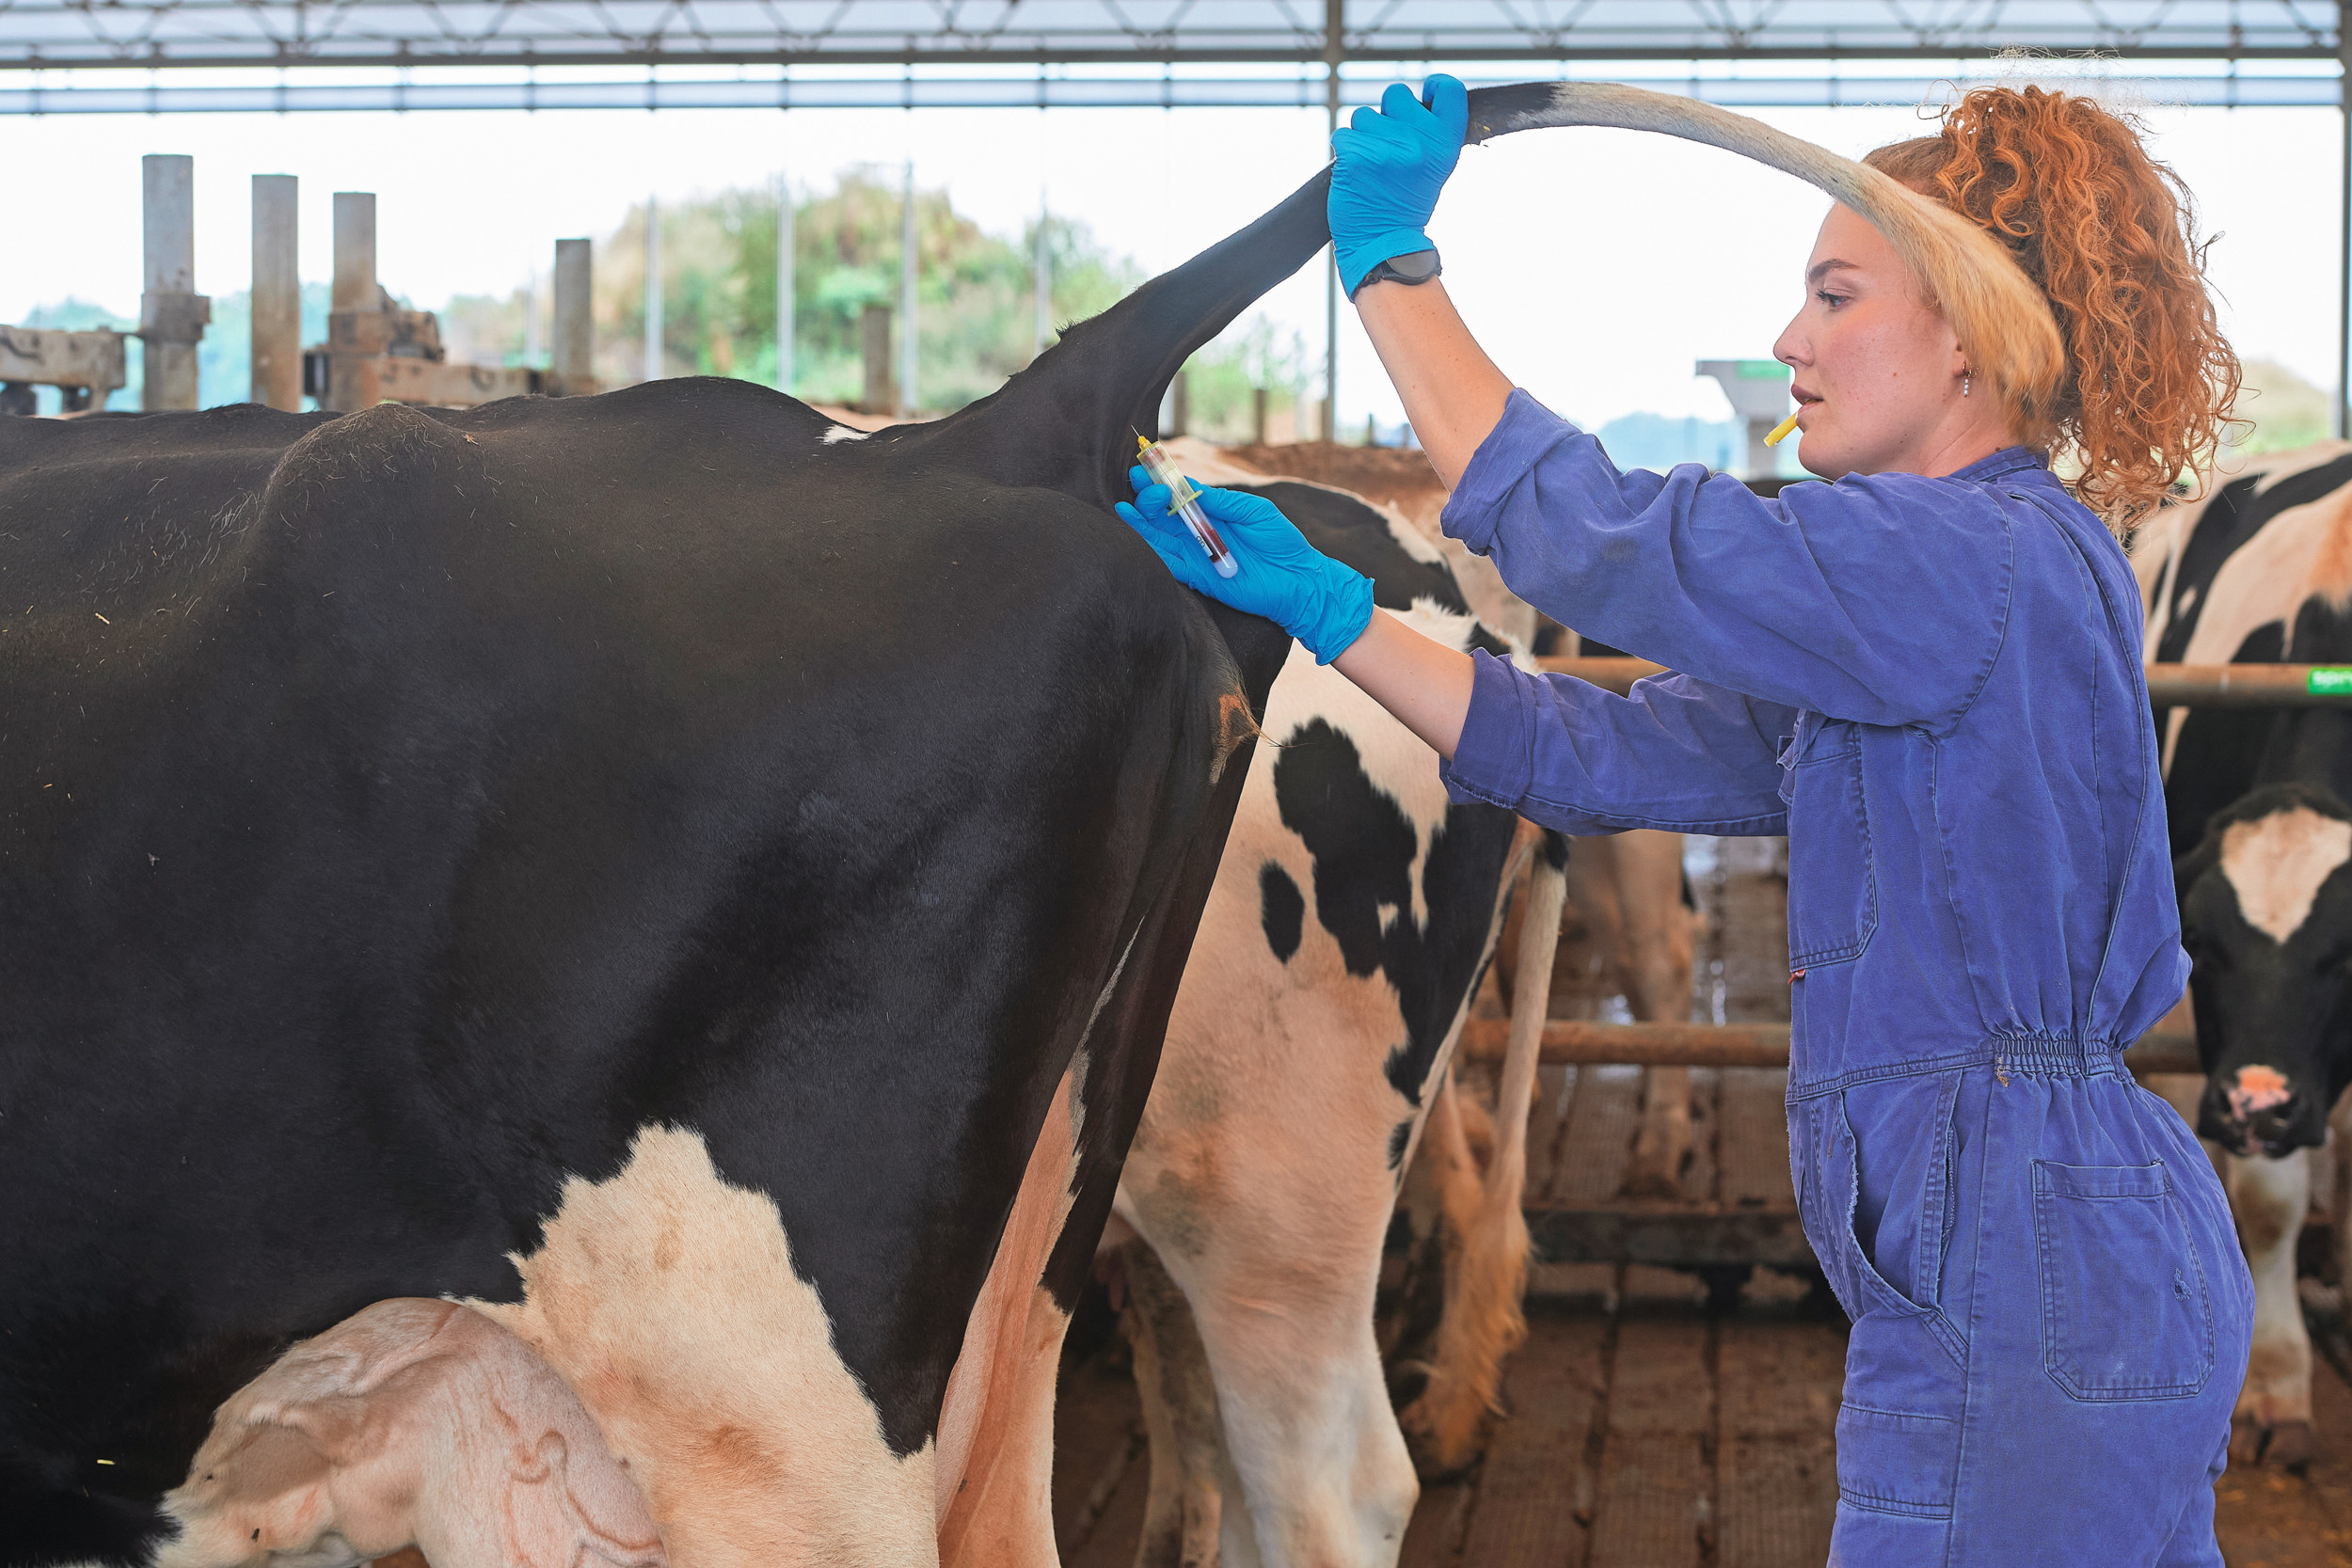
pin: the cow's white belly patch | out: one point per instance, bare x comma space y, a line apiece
667, 1298
2276, 864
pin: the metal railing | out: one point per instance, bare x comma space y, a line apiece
1578, 1042
2169, 685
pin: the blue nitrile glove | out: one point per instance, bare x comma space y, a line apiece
1388, 166
1324, 604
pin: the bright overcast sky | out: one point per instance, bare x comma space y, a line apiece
1596, 265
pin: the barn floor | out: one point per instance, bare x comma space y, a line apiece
1645, 1432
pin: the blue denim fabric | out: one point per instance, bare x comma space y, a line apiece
1934, 686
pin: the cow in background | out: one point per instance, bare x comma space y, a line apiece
1630, 928
2260, 572
1307, 1066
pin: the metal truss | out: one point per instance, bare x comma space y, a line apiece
1059, 93
1150, 32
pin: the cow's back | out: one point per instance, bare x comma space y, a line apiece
431, 802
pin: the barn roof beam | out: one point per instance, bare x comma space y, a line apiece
1155, 33
104, 97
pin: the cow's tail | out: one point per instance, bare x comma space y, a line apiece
1101, 386
2002, 320
1108, 376
1487, 1269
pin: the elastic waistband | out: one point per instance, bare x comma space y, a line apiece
2028, 1056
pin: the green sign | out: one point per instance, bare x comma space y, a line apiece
2329, 680
1763, 370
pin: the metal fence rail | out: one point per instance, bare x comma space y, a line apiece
2169, 685
1576, 1041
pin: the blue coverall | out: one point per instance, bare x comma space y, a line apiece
1934, 686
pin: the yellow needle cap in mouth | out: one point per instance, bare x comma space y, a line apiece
1780, 431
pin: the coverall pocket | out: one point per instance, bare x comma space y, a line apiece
1833, 893
1828, 1198
2124, 1310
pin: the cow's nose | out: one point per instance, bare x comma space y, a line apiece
2252, 1110
2258, 1092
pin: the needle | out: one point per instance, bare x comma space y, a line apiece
1780, 431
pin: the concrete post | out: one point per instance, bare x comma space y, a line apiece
355, 252
785, 324
573, 359
276, 294
907, 263
172, 313
1180, 422
356, 329
653, 290
874, 345
531, 304
1257, 415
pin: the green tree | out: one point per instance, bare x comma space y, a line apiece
975, 292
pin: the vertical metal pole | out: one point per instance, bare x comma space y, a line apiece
355, 251
1334, 40
2343, 237
168, 228
874, 358
276, 294
907, 333
1044, 270
532, 303
572, 360
653, 290
784, 284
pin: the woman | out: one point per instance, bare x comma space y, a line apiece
1927, 673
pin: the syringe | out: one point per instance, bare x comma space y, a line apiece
1181, 500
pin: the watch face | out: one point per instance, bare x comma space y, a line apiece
1415, 266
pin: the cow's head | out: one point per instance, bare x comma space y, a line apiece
2266, 915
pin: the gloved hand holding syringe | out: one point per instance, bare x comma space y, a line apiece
1322, 602
1184, 501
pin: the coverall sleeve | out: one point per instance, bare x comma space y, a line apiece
1676, 753
1880, 599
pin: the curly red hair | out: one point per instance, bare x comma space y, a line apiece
2109, 236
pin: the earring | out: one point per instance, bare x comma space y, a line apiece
1965, 376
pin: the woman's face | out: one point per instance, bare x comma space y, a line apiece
1878, 372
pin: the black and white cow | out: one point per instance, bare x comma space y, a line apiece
703, 890
1351, 919
1630, 927
2262, 572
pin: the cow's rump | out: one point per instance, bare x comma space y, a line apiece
405, 812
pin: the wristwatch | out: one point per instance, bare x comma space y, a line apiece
1414, 266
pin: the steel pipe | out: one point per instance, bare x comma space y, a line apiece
1577, 1042
2250, 684
2169, 685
